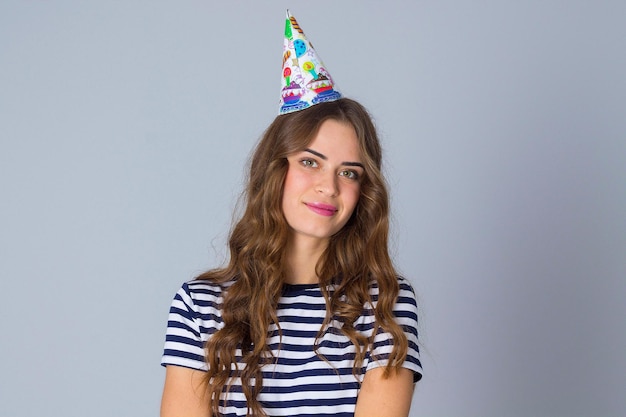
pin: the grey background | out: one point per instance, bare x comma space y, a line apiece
125, 126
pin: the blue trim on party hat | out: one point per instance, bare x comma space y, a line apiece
305, 80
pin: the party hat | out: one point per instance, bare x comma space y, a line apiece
305, 80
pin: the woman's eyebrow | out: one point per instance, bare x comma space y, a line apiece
320, 155
325, 158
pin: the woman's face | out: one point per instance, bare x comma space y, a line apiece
323, 182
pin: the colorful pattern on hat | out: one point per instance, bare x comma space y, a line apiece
305, 80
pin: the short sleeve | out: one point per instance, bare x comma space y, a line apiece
193, 317
405, 311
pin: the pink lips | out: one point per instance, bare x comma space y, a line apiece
322, 209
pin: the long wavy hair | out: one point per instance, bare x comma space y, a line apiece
255, 273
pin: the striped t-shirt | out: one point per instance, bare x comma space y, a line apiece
298, 382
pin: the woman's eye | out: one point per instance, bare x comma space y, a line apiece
350, 174
308, 162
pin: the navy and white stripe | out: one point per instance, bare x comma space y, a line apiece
298, 382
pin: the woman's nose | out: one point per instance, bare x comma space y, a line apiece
327, 184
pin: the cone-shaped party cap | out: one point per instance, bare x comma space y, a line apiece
305, 80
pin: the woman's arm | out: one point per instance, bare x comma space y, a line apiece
184, 393
385, 397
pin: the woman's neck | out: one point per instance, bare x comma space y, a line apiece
302, 257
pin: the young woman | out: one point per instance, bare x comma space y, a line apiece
309, 317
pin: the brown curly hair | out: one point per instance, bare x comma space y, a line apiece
355, 255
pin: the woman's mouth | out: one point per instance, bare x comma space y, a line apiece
322, 209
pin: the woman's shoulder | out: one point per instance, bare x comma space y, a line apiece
199, 292
406, 293
404, 285
406, 297
204, 286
